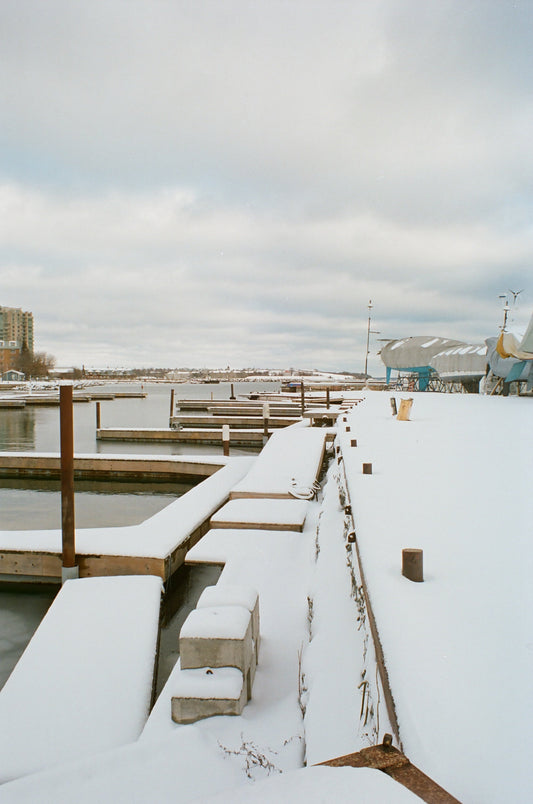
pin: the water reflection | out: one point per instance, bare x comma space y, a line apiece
36, 504
17, 429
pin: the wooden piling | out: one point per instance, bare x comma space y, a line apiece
67, 475
232, 394
266, 416
327, 397
367, 468
225, 438
98, 417
393, 406
353, 442
302, 397
413, 564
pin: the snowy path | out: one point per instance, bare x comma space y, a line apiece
456, 482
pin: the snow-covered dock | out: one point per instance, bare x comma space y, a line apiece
155, 547
454, 481
238, 437
108, 467
84, 684
288, 465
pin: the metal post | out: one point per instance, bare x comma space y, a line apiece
367, 338
98, 419
67, 482
171, 402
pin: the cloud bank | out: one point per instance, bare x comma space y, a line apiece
229, 184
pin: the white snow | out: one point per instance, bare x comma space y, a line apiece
264, 512
84, 683
208, 682
228, 594
455, 481
216, 622
290, 455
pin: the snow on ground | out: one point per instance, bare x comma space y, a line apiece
456, 482
84, 682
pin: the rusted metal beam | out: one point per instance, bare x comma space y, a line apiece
67, 475
388, 759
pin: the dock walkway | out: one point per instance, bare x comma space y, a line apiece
157, 546
289, 462
84, 683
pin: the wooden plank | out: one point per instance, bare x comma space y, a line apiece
297, 528
209, 421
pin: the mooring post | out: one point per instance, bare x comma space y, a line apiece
413, 564
405, 410
171, 402
302, 396
367, 468
225, 439
327, 397
232, 394
69, 568
98, 418
266, 416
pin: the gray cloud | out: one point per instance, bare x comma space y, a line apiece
216, 183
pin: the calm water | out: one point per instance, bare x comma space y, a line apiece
27, 506
36, 504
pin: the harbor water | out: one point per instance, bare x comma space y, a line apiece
36, 504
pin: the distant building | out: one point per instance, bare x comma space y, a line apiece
16, 327
16, 333
13, 376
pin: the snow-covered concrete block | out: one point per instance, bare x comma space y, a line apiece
234, 595
219, 636
207, 691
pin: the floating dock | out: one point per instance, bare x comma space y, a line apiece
157, 546
238, 438
109, 467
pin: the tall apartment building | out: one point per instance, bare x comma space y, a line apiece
16, 328
16, 331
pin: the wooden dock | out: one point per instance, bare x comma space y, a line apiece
157, 546
238, 437
238, 422
103, 467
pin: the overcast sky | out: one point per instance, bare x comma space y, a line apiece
213, 183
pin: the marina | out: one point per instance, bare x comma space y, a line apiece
303, 523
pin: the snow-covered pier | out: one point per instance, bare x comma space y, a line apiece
454, 481
85, 682
109, 467
157, 546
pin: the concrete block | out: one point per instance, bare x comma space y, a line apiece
234, 595
219, 636
208, 691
